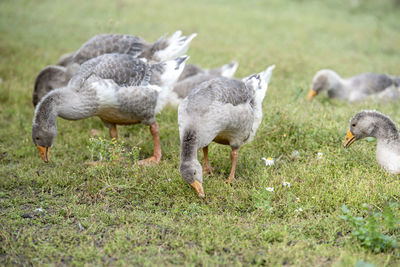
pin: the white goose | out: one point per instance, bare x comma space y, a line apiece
226, 111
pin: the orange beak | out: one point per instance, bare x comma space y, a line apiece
44, 153
311, 94
349, 139
198, 187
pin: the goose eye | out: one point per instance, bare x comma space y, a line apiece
37, 138
194, 173
354, 125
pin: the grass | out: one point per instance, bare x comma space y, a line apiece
124, 214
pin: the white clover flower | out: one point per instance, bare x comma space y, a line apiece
268, 161
169, 179
297, 199
270, 189
298, 210
295, 153
80, 226
286, 184
320, 155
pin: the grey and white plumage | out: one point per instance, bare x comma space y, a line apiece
352, 89
118, 88
375, 124
227, 70
397, 81
189, 71
161, 50
193, 75
223, 110
50, 78
391, 93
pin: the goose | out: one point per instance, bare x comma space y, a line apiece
194, 76
226, 111
163, 49
118, 88
369, 123
352, 89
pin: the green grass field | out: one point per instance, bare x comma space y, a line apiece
125, 214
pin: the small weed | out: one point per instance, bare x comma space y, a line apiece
110, 150
262, 199
370, 230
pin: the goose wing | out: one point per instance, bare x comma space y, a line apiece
222, 90
371, 82
124, 70
109, 43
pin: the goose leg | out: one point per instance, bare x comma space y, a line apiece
206, 165
234, 156
157, 147
113, 132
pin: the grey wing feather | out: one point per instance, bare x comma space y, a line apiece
190, 70
371, 83
125, 70
223, 90
184, 87
110, 43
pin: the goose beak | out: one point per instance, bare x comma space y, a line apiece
349, 139
44, 153
198, 187
311, 94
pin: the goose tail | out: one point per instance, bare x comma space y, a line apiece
228, 70
172, 47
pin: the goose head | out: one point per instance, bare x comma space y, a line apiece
324, 80
165, 74
191, 172
370, 124
190, 167
44, 128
